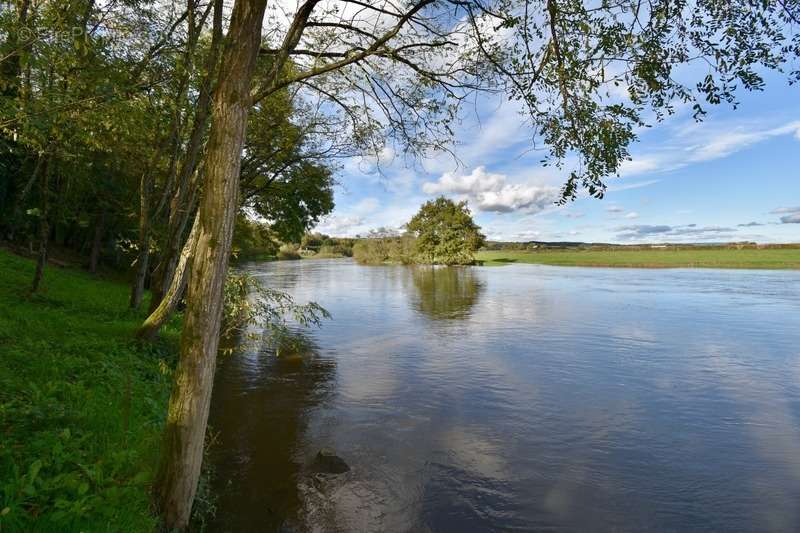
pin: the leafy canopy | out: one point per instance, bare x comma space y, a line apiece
445, 232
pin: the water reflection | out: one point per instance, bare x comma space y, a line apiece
260, 412
445, 292
522, 398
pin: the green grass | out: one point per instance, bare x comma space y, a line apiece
81, 404
770, 258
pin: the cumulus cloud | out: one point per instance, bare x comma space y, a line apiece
491, 192
479, 181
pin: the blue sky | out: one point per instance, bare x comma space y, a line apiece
733, 177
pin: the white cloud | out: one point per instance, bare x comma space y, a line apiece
632, 214
785, 210
615, 209
340, 226
727, 142
477, 182
629, 186
492, 192
696, 143
366, 206
638, 166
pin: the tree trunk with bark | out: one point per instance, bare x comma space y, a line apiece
44, 225
187, 416
159, 316
143, 258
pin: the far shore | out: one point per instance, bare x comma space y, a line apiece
747, 258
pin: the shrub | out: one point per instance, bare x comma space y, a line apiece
289, 252
376, 251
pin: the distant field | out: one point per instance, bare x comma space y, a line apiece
700, 258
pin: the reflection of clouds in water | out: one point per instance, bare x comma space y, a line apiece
558, 398
769, 423
373, 376
474, 453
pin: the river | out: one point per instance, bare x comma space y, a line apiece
518, 398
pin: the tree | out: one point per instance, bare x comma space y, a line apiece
445, 233
399, 71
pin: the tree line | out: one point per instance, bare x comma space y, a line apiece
145, 129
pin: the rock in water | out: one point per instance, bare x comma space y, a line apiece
327, 462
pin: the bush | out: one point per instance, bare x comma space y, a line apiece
289, 252
376, 251
335, 250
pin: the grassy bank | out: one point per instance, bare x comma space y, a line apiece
81, 404
653, 258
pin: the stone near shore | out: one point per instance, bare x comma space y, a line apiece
327, 462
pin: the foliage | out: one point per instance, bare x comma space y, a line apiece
81, 405
335, 250
289, 252
445, 233
380, 250
252, 239
324, 246
286, 176
260, 312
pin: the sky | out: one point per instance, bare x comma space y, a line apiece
733, 177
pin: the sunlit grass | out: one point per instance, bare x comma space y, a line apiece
652, 258
81, 404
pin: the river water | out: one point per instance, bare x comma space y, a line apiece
518, 398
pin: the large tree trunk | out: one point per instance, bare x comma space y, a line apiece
182, 207
143, 258
44, 226
172, 295
187, 417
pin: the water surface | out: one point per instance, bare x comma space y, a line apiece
519, 398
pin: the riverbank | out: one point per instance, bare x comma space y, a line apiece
750, 258
81, 404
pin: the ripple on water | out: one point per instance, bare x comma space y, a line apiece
520, 398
